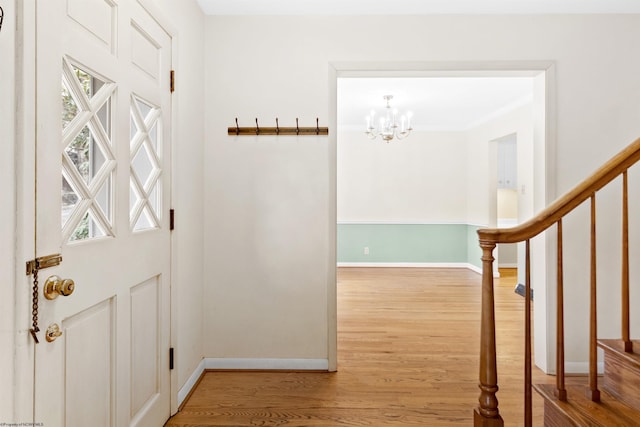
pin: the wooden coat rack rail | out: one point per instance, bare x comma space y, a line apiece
297, 130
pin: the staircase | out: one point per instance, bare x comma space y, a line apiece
619, 403
579, 403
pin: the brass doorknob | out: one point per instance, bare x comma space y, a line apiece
55, 286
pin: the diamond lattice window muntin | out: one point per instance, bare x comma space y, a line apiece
146, 165
88, 161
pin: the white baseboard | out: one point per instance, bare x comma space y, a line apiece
406, 264
581, 367
268, 364
191, 382
415, 265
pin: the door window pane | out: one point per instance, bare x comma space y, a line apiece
88, 162
146, 168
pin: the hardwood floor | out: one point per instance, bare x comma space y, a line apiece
407, 355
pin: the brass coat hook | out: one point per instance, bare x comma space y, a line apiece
297, 127
1, 16
257, 127
317, 126
277, 127
237, 127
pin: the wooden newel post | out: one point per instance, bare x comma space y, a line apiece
487, 414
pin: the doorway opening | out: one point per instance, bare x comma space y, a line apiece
394, 199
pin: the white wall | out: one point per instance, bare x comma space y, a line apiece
268, 201
188, 182
483, 192
7, 212
422, 179
266, 240
482, 165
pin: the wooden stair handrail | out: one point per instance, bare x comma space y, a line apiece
487, 413
562, 206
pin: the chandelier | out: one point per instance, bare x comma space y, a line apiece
388, 126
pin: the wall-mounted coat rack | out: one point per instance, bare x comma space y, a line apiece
297, 130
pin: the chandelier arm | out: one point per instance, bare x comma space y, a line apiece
403, 134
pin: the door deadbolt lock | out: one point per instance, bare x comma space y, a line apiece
55, 286
53, 332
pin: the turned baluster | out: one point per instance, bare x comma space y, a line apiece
594, 393
528, 413
560, 387
626, 338
487, 413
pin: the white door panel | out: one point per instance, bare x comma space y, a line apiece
103, 193
89, 366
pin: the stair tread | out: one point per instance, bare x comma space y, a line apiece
616, 346
608, 412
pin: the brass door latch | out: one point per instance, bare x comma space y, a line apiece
43, 262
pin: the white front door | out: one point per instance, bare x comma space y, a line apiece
102, 202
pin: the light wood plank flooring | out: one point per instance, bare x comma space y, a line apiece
408, 355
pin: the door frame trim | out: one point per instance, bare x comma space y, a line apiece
544, 340
172, 32
25, 148
8, 200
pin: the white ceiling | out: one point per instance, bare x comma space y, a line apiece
436, 103
414, 7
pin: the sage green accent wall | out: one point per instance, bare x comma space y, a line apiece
419, 243
474, 253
